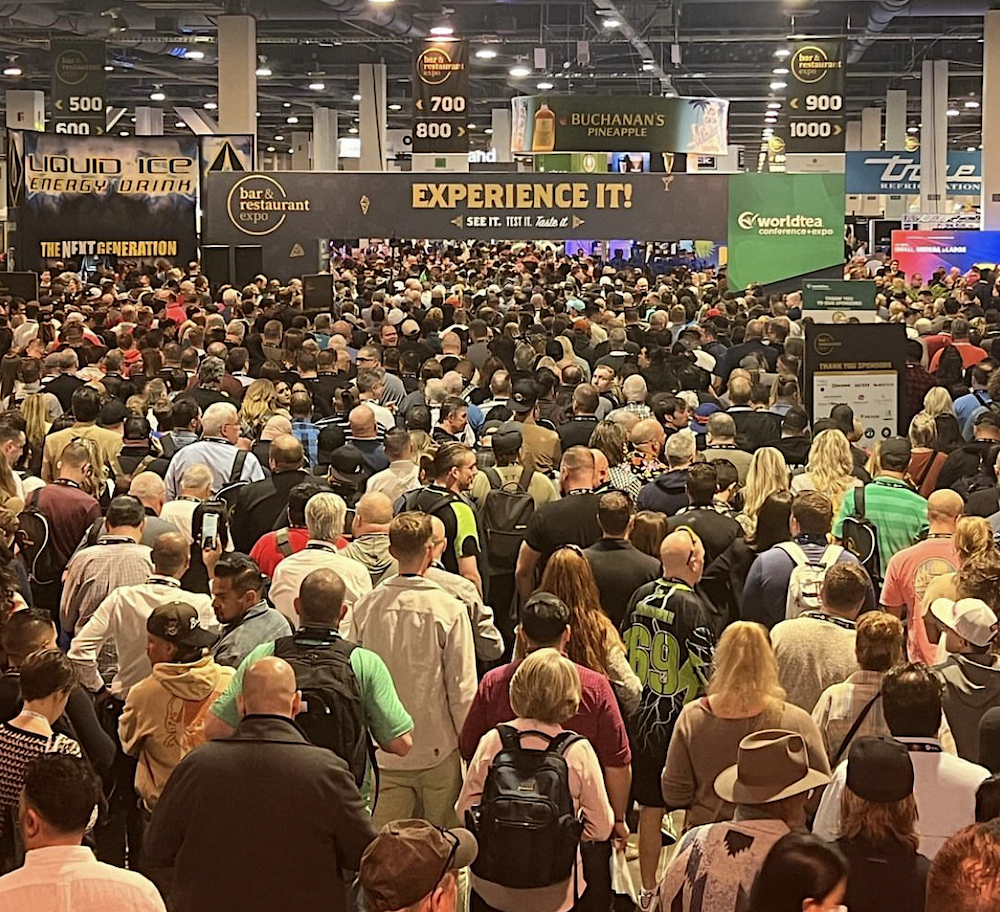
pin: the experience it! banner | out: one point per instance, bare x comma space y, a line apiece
631, 123
286, 211
784, 225
78, 197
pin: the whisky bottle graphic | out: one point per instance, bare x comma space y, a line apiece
543, 139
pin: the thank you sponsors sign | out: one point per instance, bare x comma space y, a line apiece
292, 210
441, 96
79, 86
631, 123
838, 301
784, 225
898, 173
815, 97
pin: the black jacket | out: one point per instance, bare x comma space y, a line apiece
260, 821
884, 877
258, 505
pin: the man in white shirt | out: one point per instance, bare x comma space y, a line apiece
425, 639
817, 648
325, 514
195, 486
121, 618
59, 796
403, 474
944, 786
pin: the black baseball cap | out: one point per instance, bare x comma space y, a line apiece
544, 617
879, 769
177, 623
524, 397
507, 438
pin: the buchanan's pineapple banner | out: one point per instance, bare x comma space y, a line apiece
630, 123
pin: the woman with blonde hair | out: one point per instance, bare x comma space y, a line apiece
938, 401
35, 410
259, 403
830, 468
926, 459
544, 695
978, 559
768, 473
595, 643
743, 697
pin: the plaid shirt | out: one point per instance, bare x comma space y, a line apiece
918, 382
640, 408
93, 573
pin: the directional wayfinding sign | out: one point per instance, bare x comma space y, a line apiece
441, 96
79, 86
816, 97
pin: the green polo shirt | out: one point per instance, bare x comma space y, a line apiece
897, 511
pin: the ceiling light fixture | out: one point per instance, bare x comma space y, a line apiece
782, 53
953, 112
970, 149
519, 71
210, 106
157, 95
194, 55
317, 86
180, 124
972, 105
292, 120
286, 104
12, 71
488, 131
271, 149
648, 66
263, 70
353, 131
778, 85
774, 105
486, 54
544, 86
279, 138
610, 22
355, 97
913, 129
780, 71
442, 31
395, 107
108, 68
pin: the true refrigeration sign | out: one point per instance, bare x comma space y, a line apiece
898, 173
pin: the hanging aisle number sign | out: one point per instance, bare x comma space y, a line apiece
79, 86
441, 97
816, 97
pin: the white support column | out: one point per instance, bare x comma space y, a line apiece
895, 141
871, 129
991, 125
501, 133
148, 121
934, 136
301, 151
372, 116
237, 75
25, 110
324, 148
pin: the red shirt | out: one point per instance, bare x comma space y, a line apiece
971, 354
598, 719
265, 553
70, 512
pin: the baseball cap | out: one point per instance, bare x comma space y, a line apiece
544, 617
524, 397
177, 623
895, 450
395, 317
407, 858
112, 412
971, 618
879, 769
410, 328
701, 415
506, 439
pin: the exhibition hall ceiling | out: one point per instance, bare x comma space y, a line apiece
309, 51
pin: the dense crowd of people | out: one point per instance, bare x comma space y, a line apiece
425, 597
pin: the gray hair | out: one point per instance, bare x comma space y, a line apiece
634, 389
147, 486
325, 514
211, 371
236, 328
680, 448
197, 477
217, 415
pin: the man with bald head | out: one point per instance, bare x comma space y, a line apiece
647, 438
264, 781
314, 653
911, 570
666, 610
257, 506
365, 436
369, 543
754, 429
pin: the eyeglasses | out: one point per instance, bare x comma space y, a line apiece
453, 839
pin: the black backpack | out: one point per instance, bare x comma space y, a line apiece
34, 539
860, 537
526, 824
332, 714
506, 512
424, 500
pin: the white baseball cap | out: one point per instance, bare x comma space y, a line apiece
972, 619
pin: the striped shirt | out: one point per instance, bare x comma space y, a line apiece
897, 511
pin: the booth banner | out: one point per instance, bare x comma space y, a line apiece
783, 225
862, 366
837, 301
898, 173
922, 252
616, 123
291, 210
104, 197
226, 153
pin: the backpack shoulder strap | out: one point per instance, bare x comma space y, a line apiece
283, 542
562, 742
830, 556
31, 499
238, 462
795, 552
524, 482
859, 501
94, 532
144, 464
510, 737
493, 477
